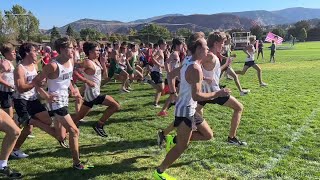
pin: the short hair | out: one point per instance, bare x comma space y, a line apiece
161, 41
228, 36
175, 42
63, 42
215, 37
132, 45
88, 46
25, 48
6, 47
194, 41
252, 38
124, 43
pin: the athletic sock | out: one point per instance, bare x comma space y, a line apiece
3, 163
175, 140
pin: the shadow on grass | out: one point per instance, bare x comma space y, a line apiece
124, 166
110, 148
116, 120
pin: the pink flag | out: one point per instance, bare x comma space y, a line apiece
273, 37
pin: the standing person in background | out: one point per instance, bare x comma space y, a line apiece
260, 49
273, 48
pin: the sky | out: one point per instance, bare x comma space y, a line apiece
61, 12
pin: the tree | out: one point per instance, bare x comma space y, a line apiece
302, 24
133, 32
70, 31
257, 31
279, 31
20, 24
314, 34
302, 34
184, 32
54, 34
89, 34
154, 32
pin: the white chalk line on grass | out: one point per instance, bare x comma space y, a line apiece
296, 136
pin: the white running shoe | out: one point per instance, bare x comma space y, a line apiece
244, 92
31, 136
263, 84
19, 154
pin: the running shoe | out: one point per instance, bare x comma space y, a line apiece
169, 143
99, 130
19, 154
263, 84
244, 92
162, 176
235, 141
64, 143
82, 166
163, 113
9, 173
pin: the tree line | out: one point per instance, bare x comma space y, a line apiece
21, 25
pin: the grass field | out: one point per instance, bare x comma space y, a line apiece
281, 124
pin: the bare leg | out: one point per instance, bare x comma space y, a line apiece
12, 133
235, 77
259, 72
9, 111
68, 123
236, 117
23, 136
159, 89
113, 106
184, 135
84, 110
244, 70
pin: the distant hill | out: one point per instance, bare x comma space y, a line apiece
298, 14
142, 21
263, 17
201, 22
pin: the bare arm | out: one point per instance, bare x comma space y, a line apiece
130, 55
171, 79
156, 58
20, 82
245, 50
194, 78
46, 71
4, 67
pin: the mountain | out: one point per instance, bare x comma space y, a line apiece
100, 25
285, 16
263, 17
201, 22
142, 21
298, 14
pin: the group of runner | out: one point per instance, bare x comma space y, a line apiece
193, 75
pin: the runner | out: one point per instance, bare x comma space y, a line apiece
6, 78
93, 70
172, 62
250, 50
190, 125
59, 74
211, 75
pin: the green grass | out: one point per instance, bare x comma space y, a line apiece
280, 123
